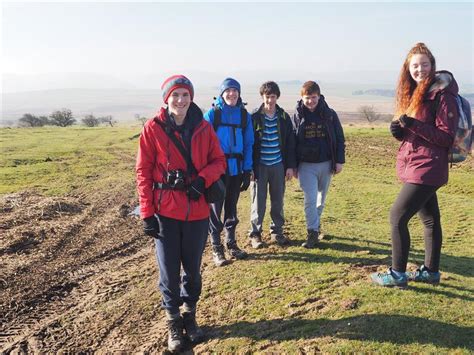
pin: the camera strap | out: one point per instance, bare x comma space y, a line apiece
187, 157
165, 186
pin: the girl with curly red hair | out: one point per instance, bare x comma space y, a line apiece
426, 122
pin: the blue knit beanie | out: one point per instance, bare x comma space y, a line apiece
229, 83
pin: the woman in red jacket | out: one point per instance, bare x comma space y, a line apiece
172, 203
427, 111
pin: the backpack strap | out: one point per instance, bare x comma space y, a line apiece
243, 118
280, 130
217, 118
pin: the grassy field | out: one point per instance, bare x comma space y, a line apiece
285, 300
56, 161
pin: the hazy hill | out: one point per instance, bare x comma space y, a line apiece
391, 93
124, 104
126, 95
52, 81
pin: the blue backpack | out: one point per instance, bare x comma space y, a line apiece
462, 143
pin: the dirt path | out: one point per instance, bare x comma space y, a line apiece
76, 275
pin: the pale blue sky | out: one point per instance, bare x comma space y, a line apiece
137, 38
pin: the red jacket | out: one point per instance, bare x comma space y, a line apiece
423, 155
157, 154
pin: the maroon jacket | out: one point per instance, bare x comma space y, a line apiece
423, 155
157, 154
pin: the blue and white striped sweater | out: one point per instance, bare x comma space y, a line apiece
270, 153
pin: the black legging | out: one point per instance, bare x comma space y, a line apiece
412, 199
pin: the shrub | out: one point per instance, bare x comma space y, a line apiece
62, 118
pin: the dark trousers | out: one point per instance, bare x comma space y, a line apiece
230, 221
181, 243
415, 198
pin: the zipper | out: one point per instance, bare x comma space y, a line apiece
331, 147
198, 131
188, 209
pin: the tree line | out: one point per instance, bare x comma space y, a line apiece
63, 118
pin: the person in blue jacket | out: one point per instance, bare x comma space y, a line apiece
233, 126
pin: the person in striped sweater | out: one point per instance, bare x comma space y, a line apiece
274, 161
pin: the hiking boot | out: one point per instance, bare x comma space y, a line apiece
311, 239
256, 240
280, 239
193, 331
424, 275
235, 252
218, 255
321, 234
175, 335
388, 279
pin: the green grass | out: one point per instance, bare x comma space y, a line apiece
290, 299
56, 160
294, 300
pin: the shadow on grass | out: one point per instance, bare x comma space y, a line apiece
461, 265
442, 290
395, 329
367, 241
318, 258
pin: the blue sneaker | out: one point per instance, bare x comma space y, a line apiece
423, 275
388, 279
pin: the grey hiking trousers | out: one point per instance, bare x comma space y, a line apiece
270, 178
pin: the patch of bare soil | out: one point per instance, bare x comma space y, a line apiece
76, 274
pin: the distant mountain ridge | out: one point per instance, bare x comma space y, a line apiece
375, 92
200, 78
391, 93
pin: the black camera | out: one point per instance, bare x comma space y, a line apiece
176, 179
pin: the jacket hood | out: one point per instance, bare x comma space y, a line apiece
220, 103
322, 108
193, 117
444, 81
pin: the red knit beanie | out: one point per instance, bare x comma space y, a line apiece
175, 82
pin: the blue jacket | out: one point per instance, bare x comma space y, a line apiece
240, 143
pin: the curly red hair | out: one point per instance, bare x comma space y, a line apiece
409, 96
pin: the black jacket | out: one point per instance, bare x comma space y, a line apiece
286, 135
331, 121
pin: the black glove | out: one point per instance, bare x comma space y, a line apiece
406, 121
245, 181
196, 189
151, 227
396, 130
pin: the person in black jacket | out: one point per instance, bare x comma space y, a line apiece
320, 151
274, 161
